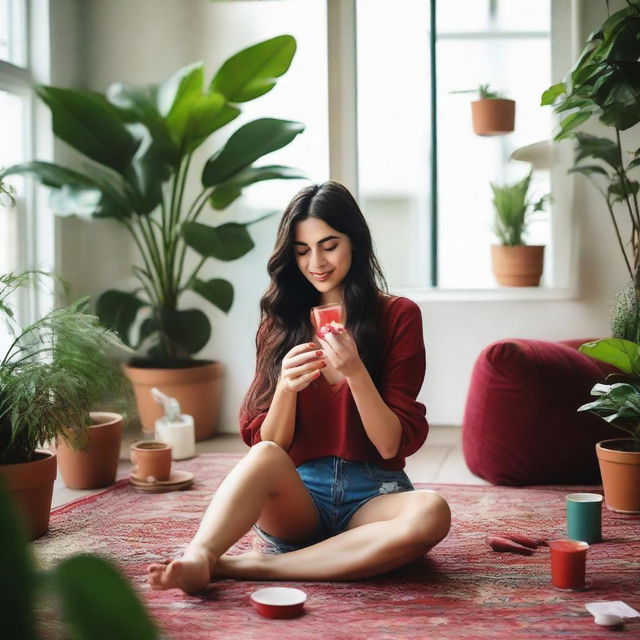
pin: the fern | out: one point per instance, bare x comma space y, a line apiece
51, 375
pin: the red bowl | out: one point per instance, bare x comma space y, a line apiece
278, 602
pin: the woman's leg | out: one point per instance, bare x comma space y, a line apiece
385, 533
263, 487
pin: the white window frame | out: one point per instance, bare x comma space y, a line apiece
35, 221
343, 145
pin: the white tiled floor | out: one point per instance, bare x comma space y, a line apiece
440, 460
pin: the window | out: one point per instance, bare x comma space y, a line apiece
423, 175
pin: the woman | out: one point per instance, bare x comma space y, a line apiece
329, 417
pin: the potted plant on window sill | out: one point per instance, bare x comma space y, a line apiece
141, 141
515, 264
491, 114
618, 402
50, 376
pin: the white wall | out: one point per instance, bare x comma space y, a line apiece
146, 40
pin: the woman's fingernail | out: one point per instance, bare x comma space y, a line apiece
322, 364
318, 353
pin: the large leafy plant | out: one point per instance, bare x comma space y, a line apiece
513, 209
605, 84
141, 141
84, 596
51, 374
618, 402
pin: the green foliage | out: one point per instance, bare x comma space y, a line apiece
484, 92
605, 84
51, 375
617, 403
625, 320
7, 195
513, 209
141, 140
97, 602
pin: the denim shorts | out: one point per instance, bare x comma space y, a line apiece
338, 488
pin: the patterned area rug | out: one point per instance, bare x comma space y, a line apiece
462, 589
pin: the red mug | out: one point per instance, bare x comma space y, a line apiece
568, 563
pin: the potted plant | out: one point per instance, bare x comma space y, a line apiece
90, 597
141, 141
491, 114
604, 84
515, 264
51, 374
618, 402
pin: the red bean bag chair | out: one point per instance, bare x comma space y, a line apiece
520, 423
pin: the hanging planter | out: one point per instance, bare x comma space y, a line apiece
492, 114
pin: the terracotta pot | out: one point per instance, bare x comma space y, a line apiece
198, 390
152, 460
96, 465
517, 266
620, 472
30, 485
493, 117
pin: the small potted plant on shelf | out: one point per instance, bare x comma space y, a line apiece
618, 402
142, 147
51, 374
491, 114
515, 264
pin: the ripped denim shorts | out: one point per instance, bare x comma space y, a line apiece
339, 488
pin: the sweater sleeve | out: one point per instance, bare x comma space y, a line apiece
250, 427
403, 375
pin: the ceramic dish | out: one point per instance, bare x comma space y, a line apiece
278, 602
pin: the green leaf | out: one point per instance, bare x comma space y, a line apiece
250, 142
571, 122
98, 603
197, 118
88, 123
253, 71
225, 193
623, 354
139, 104
226, 242
588, 169
17, 598
78, 194
180, 87
589, 146
621, 192
189, 329
217, 291
552, 93
117, 310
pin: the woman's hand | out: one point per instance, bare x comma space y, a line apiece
340, 349
301, 366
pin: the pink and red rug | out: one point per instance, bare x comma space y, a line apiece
462, 590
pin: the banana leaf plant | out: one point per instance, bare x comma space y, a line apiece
140, 142
619, 402
605, 84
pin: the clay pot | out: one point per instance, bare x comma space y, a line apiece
198, 390
151, 459
620, 471
493, 117
30, 485
96, 465
517, 266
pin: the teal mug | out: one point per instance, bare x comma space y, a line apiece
584, 517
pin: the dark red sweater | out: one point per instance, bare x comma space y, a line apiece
327, 420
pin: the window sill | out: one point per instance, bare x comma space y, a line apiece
497, 294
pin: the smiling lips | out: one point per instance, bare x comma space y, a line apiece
321, 276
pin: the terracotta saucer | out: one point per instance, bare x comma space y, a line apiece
177, 480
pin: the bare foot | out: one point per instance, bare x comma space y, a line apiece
191, 573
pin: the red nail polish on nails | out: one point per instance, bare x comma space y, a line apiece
323, 364
318, 353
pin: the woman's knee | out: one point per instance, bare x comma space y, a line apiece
267, 450
427, 519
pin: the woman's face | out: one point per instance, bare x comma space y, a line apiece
323, 255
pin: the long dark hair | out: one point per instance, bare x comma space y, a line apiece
285, 306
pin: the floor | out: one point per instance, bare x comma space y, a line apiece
440, 460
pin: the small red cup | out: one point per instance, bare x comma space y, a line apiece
568, 563
278, 602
